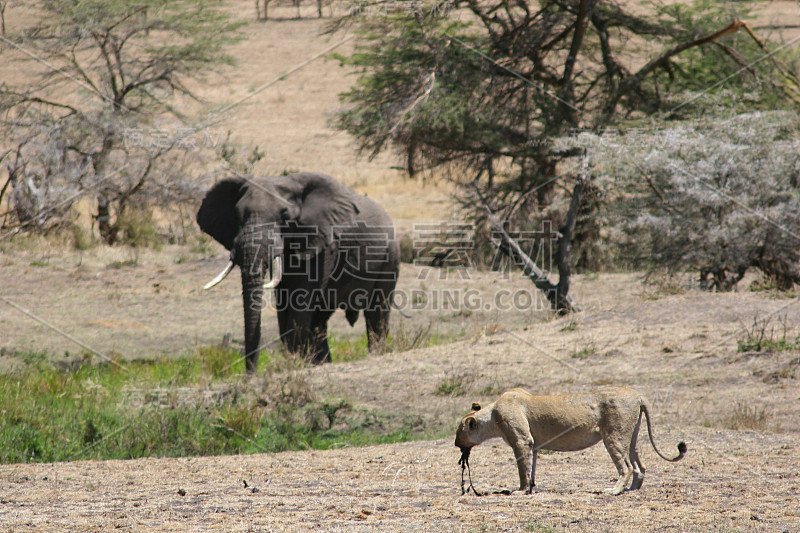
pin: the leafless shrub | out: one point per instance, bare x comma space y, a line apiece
745, 416
764, 335
126, 59
719, 197
403, 339
659, 284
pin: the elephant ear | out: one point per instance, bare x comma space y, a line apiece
324, 203
217, 214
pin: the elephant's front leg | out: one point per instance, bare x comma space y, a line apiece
286, 330
287, 320
319, 350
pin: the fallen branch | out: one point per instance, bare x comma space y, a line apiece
561, 303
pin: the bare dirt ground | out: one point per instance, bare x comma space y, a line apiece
729, 482
680, 349
129, 303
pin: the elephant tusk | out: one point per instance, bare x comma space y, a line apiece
277, 273
219, 277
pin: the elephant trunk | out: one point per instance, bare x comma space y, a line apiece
257, 251
252, 296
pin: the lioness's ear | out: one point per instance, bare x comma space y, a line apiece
471, 423
476, 406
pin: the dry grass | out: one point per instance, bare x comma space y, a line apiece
745, 416
661, 284
699, 379
730, 479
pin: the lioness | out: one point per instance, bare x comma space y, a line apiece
567, 422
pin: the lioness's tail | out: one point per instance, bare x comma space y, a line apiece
681, 445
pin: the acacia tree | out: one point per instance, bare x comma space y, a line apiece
478, 98
82, 119
490, 94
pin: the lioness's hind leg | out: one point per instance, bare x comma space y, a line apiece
619, 452
625, 474
636, 462
638, 470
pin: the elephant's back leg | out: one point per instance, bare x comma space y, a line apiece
295, 324
376, 315
377, 328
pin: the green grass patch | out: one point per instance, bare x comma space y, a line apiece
400, 339
199, 404
123, 264
764, 336
348, 349
572, 325
450, 386
539, 527
221, 361
769, 345
454, 384
585, 352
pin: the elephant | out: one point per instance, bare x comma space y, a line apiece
326, 248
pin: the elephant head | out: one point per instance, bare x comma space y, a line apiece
254, 219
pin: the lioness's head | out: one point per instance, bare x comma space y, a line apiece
467, 429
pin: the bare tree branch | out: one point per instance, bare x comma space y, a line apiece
632, 81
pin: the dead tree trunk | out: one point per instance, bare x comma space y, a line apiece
557, 294
566, 231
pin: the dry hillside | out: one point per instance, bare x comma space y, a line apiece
739, 412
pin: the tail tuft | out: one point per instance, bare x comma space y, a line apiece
682, 448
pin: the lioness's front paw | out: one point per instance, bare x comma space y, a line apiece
612, 491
